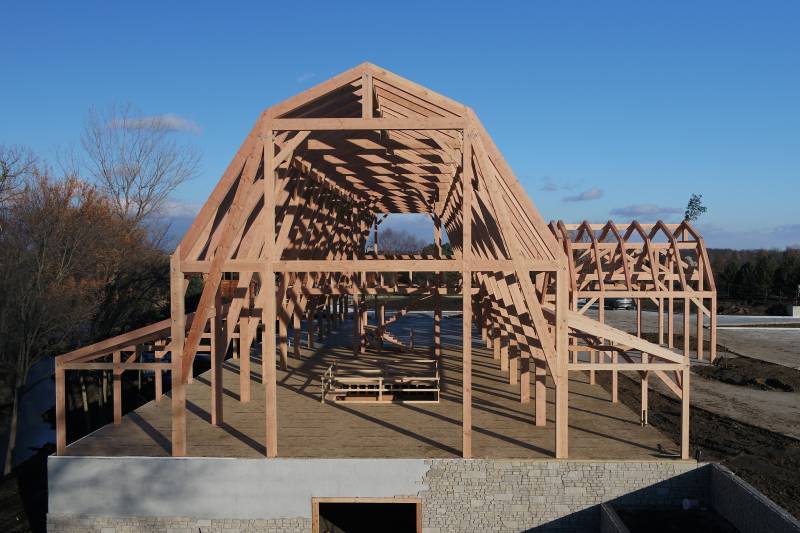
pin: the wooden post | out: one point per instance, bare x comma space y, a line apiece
712, 329
380, 314
437, 298
503, 349
283, 337
699, 309
645, 390
540, 389
244, 356
661, 321
363, 326
157, 377
296, 332
562, 382
268, 284
671, 308
61, 411
495, 340
356, 325
178, 333
117, 388
466, 297
219, 346
639, 317
310, 324
524, 375
329, 313
513, 361
685, 413
687, 310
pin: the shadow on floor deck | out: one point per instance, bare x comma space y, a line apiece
503, 427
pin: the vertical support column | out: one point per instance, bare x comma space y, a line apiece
661, 321
380, 314
244, 351
671, 308
699, 308
562, 355
687, 310
117, 388
219, 346
503, 349
329, 312
366, 95
712, 328
283, 334
524, 375
466, 296
320, 314
540, 389
481, 319
356, 325
61, 409
513, 360
437, 298
645, 375
158, 382
685, 412
495, 338
639, 317
645, 378
311, 302
269, 371
296, 332
177, 291
363, 326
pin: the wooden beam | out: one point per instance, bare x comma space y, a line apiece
268, 286
466, 298
177, 324
331, 124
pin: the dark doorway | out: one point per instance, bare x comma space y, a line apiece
361, 515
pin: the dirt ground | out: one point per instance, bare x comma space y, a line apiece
747, 372
766, 459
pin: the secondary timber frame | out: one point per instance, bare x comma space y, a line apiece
291, 217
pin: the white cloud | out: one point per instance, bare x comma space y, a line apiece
168, 121
175, 209
550, 185
590, 194
651, 211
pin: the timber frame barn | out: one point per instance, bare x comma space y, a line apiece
284, 236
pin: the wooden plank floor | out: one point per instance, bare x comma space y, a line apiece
503, 427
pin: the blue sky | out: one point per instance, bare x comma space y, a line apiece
603, 109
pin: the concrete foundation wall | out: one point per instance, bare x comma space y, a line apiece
610, 522
745, 507
211, 494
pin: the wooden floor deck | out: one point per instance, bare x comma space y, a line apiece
503, 427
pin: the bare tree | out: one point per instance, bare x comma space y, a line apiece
136, 160
399, 242
16, 165
60, 245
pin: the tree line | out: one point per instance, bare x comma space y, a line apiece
756, 275
82, 253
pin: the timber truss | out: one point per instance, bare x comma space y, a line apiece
284, 236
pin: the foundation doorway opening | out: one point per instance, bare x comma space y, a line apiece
357, 515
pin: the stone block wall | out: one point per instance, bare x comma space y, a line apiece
512, 496
212, 495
